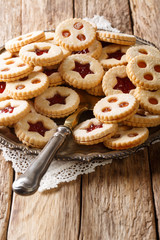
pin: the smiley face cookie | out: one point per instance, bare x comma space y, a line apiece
127, 137
116, 81
57, 102
35, 130
81, 71
75, 34
93, 131
115, 108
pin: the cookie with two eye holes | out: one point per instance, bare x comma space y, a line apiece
148, 100
35, 130
115, 108
15, 44
92, 131
113, 55
11, 111
75, 34
116, 81
127, 137
57, 102
13, 69
144, 72
41, 54
26, 88
114, 37
81, 71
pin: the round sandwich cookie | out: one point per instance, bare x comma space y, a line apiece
92, 131
127, 137
35, 130
57, 102
115, 108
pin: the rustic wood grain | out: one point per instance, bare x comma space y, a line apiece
117, 12
117, 201
146, 19
6, 179
52, 215
44, 15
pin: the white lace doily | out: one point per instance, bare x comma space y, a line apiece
59, 171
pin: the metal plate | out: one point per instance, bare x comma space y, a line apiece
72, 151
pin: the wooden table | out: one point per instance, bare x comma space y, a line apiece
117, 201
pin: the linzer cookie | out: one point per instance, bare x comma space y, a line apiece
12, 111
93, 50
141, 50
96, 91
54, 76
81, 71
41, 54
57, 102
35, 130
116, 81
114, 37
143, 118
144, 72
93, 131
3, 91
28, 87
113, 55
5, 55
13, 69
15, 44
115, 108
149, 100
127, 137
75, 34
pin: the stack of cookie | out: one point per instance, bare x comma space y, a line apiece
76, 55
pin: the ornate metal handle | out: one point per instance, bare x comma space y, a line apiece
28, 182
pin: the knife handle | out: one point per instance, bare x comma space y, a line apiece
28, 182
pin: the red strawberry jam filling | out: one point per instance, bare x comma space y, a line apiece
84, 51
82, 69
57, 98
48, 72
117, 55
40, 52
2, 86
124, 84
37, 127
93, 127
8, 109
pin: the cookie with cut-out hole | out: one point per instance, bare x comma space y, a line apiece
65, 51
81, 71
12, 111
116, 81
144, 72
115, 108
35, 130
113, 55
141, 50
96, 91
54, 76
31, 86
148, 100
13, 69
57, 102
15, 44
4, 91
75, 34
93, 131
143, 118
94, 50
41, 54
127, 137
114, 37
